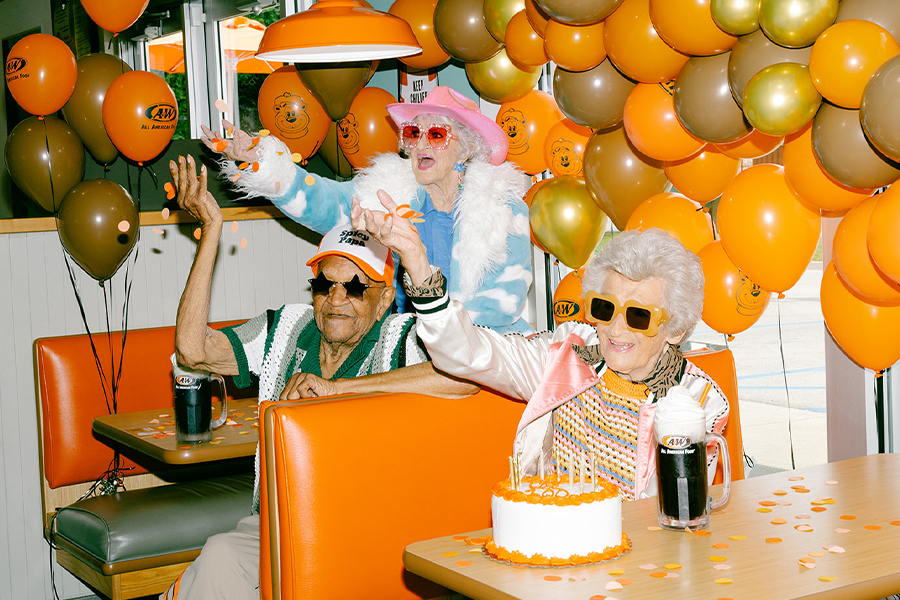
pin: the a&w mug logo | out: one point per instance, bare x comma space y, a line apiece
15, 64
161, 113
185, 380
676, 441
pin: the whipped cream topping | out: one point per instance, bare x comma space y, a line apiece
678, 413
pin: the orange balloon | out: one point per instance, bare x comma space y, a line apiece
140, 114
810, 182
529, 197
568, 298
574, 47
865, 332
636, 48
851, 258
752, 145
114, 16
688, 26
652, 125
527, 121
882, 238
367, 129
768, 234
523, 44
683, 218
564, 148
731, 302
291, 113
420, 16
41, 73
702, 177
537, 17
844, 58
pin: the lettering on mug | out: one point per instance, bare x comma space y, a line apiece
676, 441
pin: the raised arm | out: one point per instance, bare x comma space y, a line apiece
197, 345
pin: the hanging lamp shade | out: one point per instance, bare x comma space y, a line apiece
337, 31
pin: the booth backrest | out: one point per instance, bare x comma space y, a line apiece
355, 480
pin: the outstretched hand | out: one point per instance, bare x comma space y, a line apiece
395, 232
191, 192
238, 148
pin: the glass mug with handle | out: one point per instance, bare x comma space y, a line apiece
193, 404
679, 426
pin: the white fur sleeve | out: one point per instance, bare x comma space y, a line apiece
275, 175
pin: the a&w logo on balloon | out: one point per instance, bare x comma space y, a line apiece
163, 116
14, 65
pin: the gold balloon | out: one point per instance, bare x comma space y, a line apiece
737, 17
781, 99
566, 221
796, 23
499, 80
497, 14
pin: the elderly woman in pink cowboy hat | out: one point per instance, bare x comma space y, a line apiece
464, 198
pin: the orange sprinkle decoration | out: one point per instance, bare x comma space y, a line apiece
463, 563
197, 234
873, 527
773, 540
847, 517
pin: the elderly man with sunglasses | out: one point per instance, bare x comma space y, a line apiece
347, 341
591, 389
451, 175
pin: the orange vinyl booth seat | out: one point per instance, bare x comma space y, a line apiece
349, 482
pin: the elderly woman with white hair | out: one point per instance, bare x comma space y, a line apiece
452, 174
591, 389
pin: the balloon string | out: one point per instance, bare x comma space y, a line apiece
787, 392
50, 167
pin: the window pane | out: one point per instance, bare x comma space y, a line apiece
165, 57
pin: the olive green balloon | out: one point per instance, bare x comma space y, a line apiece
878, 111
618, 176
594, 98
497, 14
335, 85
754, 52
703, 100
566, 221
579, 12
737, 17
98, 226
844, 152
461, 31
500, 80
881, 12
84, 110
796, 23
781, 99
330, 152
45, 158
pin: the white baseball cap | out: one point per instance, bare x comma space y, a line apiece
374, 259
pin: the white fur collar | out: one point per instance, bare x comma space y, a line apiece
484, 219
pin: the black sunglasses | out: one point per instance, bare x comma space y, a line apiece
354, 288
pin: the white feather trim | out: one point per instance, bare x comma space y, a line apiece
275, 175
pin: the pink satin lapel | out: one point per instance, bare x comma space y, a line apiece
565, 377
645, 461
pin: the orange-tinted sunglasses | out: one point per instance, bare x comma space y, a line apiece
642, 318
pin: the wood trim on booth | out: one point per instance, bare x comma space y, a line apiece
238, 213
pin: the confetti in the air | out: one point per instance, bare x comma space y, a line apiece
234, 229
221, 106
165, 214
197, 234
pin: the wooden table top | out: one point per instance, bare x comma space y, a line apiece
153, 433
844, 516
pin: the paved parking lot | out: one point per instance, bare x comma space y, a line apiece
780, 363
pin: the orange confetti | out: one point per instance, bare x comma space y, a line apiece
243, 243
463, 563
552, 578
702, 532
277, 185
234, 228
780, 493
623, 581
721, 567
847, 517
717, 558
737, 538
773, 540
295, 156
831, 483
449, 554
723, 580
803, 527
873, 527
235, 177
221, 106
808, 560
672, 566
243, 165
833, 549
778, 521
476, 541
816, 554
197, 234
841, 530
654, 528
157, 231
309, 180
802, 516
124, 226
767, 503
795, 478
597, 598
895, 523
827, 578
220, 145
612, 586
720, 545
159, 435
230, 131
255, 167
763, 510
647, 567
658, 574
216, 442
184, 447
165, 214
170, 190
614, 572
263, 132
803, 491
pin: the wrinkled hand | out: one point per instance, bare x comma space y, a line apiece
395, 232
237, 148
192, 194
307, 385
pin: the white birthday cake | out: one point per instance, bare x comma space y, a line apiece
548, 522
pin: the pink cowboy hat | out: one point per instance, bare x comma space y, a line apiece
445, 101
